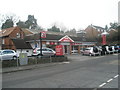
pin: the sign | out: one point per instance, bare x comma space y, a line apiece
43, 34
59, 50
66, 39
52, 43
104, 39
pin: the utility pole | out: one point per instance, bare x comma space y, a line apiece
40, 45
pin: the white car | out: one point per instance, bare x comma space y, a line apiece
74, 51
91, 51
109, 50
45, 52
8, 55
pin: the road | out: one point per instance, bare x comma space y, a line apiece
80, 72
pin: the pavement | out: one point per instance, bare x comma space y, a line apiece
75, 57
28, 67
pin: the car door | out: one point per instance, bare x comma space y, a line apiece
5, 55
44, 51
50, 52
11, 54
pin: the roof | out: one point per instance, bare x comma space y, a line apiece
7, 31
27, 32
50, 37
98, 27
21, 44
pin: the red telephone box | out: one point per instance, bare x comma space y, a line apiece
104, 39
59, 50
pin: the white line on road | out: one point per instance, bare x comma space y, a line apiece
66, 62
109, 80
102, 85
116, 76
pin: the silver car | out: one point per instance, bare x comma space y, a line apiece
8, 55
45, 52
91, 51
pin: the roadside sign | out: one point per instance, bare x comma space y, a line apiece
59, 50
43, 34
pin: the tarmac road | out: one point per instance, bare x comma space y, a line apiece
80, 72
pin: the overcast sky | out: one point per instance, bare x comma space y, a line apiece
76, 14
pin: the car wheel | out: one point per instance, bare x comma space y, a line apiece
90, 54
83, 54
14, 57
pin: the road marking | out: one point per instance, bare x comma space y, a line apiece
116, 76
109, 80
66, 62
102, 84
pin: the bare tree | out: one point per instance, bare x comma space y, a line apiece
8, 17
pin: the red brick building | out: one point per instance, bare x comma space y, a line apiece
8, 34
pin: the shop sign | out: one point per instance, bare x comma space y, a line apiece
66, 39
59, 50
43, 34
52, 43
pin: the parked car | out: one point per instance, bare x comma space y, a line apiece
116, 48
45, 52
74, 51
8, 55
109, 50
91, 51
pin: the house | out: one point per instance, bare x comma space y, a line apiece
22, 47
93, 32
8, 35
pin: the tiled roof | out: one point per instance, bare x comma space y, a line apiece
27, 32
50, 37
21, 44
6, 32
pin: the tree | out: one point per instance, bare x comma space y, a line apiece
113, 25
21, 24
8, 23
31, 23
106, 28
54, 29
8, 20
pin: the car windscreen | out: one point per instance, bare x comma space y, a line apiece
95, 50
110, 48
87, 49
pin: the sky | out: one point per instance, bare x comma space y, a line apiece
66, 14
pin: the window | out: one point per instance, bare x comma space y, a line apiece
3, 41
8, 52
18, 35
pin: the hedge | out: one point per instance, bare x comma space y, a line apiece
35, 60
